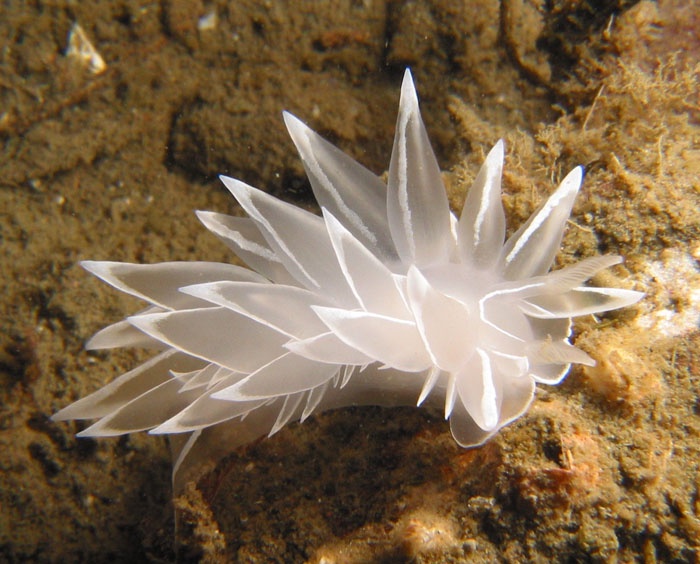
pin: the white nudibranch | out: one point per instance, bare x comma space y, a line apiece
387, 299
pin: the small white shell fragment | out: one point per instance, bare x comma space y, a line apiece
82, 50
208, 21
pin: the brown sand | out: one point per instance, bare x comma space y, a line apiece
112, 165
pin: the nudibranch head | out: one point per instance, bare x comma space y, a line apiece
386, 298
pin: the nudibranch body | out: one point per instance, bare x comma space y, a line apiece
387, 298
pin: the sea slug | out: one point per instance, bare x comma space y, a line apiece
387, 298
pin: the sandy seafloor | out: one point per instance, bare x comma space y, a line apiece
111, 165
